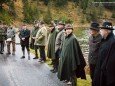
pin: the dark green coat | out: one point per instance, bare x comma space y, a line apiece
34, 32
2, 34
71, 59
51, 44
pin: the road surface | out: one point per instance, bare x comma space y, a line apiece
23, 72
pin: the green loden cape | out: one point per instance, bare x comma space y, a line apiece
71, 60
51, 44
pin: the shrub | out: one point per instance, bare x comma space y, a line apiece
31, 13
61, 3
5, 17
65, 19
48, 17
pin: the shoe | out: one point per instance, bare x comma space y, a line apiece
22, 57
35, 58
1, 52
8, 53
65, 81
42, 61
69, 83
54, 71
13, 53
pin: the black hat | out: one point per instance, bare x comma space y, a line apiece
107, 25
94, 26
61, 23
69, 26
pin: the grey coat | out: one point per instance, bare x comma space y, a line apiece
59, 41
11, 32
94, 44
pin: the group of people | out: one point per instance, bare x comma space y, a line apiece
62, 48
102, 54
65, 52
7, 37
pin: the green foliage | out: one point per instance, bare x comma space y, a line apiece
31, 12
48, 17
5, 2
46, 2
12, 8
113, 14
5, 17
61, 3
83, 4
65, 19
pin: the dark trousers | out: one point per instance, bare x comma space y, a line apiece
42, 53
32, 43
1, 46
92, 70
25, 46
55, 61
36, 50
73, 79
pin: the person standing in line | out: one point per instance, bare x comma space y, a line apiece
33, 34
10, 39
5, 26
51, 42
2, 38
94, 44
58, 46
71, 61
40, 41
105, 70
24, 35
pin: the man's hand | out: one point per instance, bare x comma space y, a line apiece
34, 37
23, 39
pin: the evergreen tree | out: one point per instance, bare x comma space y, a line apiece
61, 3
48, 17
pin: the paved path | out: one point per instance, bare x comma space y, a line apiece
23, 72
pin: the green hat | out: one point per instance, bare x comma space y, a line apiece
69, 26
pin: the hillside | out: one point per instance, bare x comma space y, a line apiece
69, 12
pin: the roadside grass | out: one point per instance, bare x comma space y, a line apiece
80, 82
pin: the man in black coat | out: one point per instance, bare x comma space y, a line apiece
105, 70
94, 44
24, 36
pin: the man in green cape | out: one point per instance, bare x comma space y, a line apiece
51, 42
71, 62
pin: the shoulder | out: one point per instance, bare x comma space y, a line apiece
73, 38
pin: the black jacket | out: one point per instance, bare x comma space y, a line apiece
105, 68
24, 34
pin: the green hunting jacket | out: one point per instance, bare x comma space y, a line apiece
2, 34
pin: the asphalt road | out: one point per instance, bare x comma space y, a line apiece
23, 72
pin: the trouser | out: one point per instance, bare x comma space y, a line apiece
1, 46
92, 70
36, 52
73, 79
23, 49
42, 53
55, 61
32, 43
8, 46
